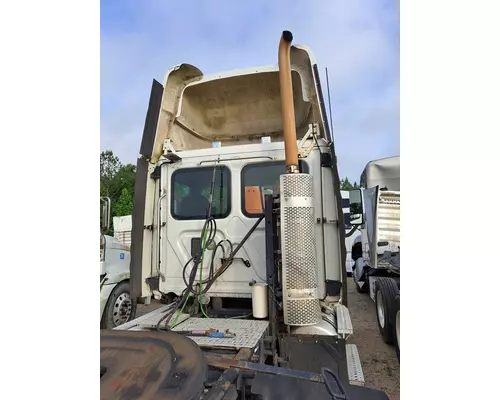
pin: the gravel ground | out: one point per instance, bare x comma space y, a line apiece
379, 360
380, 364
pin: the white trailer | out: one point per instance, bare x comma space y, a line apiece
375, 208
122, 229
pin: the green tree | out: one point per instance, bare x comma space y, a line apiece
110, 165
124, 178
345, 184
124, 204
117, 183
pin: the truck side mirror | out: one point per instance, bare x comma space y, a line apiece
356, 207
105, 214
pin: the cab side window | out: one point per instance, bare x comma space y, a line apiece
190, 193
259, 179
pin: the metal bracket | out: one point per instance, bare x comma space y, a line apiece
169, 151
344, 324
168, 146
153, 282
311, 134
246, 262
326, 160
156, 174
323, 220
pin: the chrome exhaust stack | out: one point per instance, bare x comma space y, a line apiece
301, 305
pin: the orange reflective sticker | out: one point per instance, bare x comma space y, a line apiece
253, 200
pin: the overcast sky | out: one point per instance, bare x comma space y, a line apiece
358, 40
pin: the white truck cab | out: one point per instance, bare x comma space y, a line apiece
238, 222
241, 174
227, 128
378, 217
376, 209
116, 304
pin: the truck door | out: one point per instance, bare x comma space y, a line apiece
185, 212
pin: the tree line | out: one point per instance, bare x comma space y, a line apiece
346, 185
117, 183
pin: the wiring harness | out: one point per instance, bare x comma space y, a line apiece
207, 239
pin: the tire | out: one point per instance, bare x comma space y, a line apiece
396, 324
386, 290
120, 307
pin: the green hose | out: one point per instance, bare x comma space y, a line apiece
201, 280
241, 316
180, 311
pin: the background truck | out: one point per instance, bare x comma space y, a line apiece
238, 222
376, 251
122, 229
117, 306
349, 240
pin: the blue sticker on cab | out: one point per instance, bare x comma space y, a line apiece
122, 256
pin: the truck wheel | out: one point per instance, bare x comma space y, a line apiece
386, 291
396, 326
120, 307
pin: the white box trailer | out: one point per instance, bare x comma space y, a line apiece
122, 227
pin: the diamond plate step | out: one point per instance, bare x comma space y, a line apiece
138, 322
354, 369
248, 332
344, 324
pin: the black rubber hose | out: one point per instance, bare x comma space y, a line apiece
336, 394
230, 260
192, 275
212, 261
168, 316
211, 225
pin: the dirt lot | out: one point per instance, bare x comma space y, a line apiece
380, 364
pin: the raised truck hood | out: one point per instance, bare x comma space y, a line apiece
237, 107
